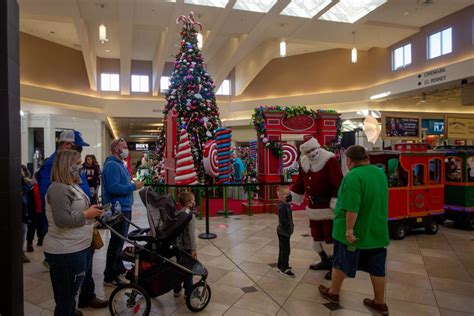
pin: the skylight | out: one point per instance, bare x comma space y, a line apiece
262, 6
305, 8
350, 11
209, 3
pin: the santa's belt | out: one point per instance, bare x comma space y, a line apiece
317, 200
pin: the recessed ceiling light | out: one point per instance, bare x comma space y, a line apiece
305, 8
262, 6
208, 3
349, 11
107, 50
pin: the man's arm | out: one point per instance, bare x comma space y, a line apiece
351, 219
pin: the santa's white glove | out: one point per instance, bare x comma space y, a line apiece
332, 203
297, 198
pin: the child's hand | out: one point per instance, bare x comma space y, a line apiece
194, 254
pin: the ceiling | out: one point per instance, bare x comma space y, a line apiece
146, 29
136, 129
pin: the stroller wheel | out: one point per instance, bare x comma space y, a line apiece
199, 297
129, 299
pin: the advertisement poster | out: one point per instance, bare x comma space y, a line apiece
460, 128
402, 127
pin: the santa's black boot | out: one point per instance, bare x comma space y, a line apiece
325, 264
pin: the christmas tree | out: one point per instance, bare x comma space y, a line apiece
191, 95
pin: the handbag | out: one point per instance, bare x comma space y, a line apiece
97, 241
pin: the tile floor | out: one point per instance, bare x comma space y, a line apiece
427, 275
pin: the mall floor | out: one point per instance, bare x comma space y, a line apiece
427, 275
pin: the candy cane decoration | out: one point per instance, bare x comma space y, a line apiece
290, 156
185, 169
210, 159
223, 140
188, 21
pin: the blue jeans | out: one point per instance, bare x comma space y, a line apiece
67, 272
88, 286
114, 265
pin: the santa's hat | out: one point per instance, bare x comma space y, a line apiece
308, 145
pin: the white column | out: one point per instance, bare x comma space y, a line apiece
49, 137
24, 139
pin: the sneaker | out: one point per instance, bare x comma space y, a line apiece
324, 291
177, 294
113, 283
29, 248
381, 308
40, 242
78, 313
46, 264
26, 259
287, 273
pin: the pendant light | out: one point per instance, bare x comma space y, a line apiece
282, 48
102, 30
199, 40
354, 50
282, 45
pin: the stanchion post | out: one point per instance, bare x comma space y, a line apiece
249, 199
200, 204
224, 196
271, 198
207, 234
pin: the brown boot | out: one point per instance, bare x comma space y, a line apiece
381, 308
324, 291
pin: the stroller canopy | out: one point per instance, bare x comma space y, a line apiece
164, 220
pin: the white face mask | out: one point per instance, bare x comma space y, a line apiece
124, 154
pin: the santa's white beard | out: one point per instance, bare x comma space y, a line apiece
316, 162
307, 161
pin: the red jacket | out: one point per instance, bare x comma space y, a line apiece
320, 186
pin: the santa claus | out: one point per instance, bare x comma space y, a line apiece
319, 178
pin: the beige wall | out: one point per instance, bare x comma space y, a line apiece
51, 65
325, 71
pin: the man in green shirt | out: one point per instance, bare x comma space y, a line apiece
360, 229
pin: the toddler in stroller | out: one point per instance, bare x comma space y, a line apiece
159, 264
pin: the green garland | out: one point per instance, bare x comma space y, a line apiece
258, 121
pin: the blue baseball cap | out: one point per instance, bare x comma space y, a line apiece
78, 140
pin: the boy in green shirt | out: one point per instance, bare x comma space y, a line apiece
360, 229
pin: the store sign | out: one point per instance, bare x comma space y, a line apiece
433, 127
434, 76
402, 127
141, 147
461, 128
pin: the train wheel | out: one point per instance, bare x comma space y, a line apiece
399, 231
431, 227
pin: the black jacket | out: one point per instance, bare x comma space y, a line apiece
285, 219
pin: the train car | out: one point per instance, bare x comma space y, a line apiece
459, 185
416, 187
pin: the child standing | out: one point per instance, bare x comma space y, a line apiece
284, 230
187, 240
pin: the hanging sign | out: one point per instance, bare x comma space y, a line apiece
460, 128
406, 127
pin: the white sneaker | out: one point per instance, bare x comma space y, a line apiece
177, 294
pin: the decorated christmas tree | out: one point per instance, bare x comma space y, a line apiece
191, 95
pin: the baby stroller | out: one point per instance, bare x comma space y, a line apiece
158, 265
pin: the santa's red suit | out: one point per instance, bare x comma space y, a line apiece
319, 179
